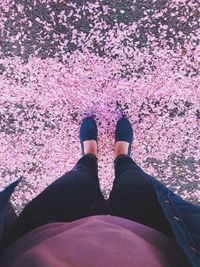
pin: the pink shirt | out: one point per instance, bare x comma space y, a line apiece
95, 241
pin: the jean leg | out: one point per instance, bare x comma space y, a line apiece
80, 185
133, 196
74, 195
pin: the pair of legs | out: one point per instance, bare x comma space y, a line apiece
77, 194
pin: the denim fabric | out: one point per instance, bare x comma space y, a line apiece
135, 195
7, 213
184, 219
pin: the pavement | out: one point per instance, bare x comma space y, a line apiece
63, 60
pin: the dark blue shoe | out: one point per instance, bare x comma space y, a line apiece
124, 132
88, 131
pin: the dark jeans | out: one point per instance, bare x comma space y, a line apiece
77, 194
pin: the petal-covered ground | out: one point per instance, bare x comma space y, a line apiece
63, 60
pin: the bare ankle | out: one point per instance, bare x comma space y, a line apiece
90, 147
121, 148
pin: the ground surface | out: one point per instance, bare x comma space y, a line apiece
63, 60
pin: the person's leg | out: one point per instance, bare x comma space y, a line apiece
74, 195
133, 196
